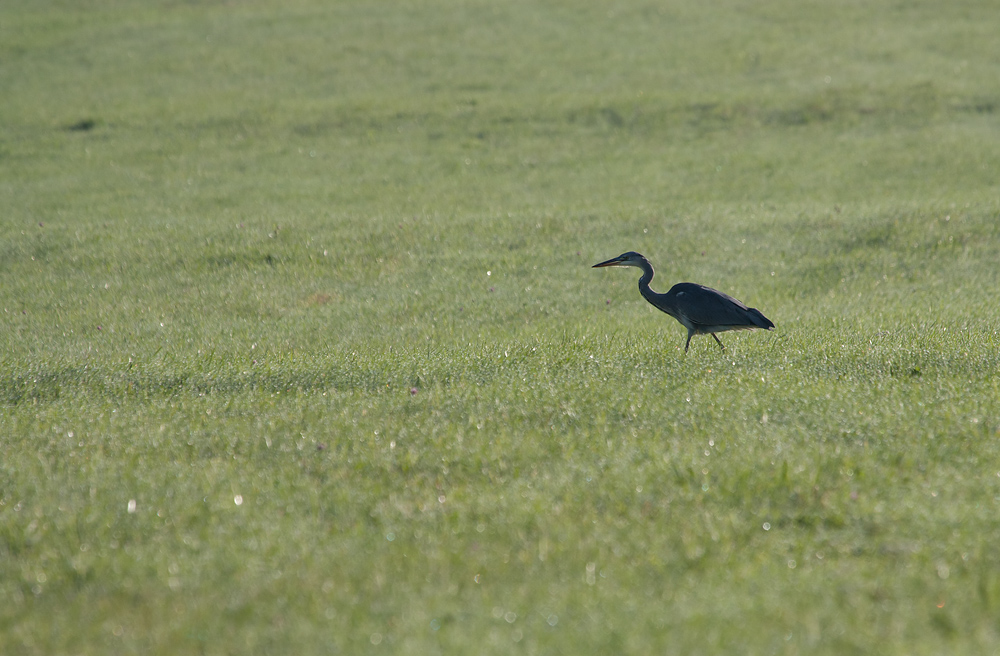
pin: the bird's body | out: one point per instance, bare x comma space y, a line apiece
702, 310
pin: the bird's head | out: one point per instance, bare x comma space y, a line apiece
630, 258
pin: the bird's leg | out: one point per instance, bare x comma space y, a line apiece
719, 341
688, 343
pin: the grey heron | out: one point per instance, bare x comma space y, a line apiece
702, 310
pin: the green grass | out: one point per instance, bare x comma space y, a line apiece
301, 351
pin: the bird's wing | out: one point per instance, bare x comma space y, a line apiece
704, 306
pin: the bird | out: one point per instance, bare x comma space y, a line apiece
700, 309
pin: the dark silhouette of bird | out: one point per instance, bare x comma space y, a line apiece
702, 310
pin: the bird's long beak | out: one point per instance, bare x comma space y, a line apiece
613, 261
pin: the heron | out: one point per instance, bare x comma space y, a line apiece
700, 309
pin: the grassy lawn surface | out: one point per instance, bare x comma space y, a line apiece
301, 353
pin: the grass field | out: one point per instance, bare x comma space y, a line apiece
301, 353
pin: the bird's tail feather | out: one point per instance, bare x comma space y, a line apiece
758, 318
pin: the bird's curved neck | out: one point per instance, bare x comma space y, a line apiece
647, 277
